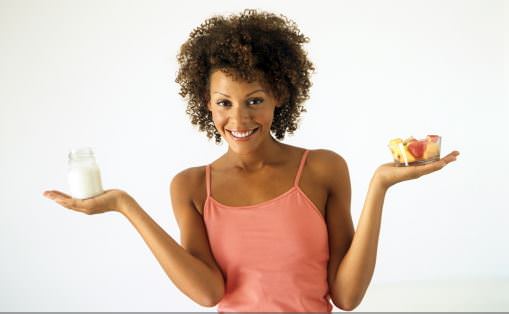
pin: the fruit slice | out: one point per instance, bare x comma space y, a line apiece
417, 148
432, 151
432, 138
399, 152
395, 141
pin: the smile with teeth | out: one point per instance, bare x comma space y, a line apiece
241, 135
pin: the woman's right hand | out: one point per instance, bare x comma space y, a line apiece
109, 200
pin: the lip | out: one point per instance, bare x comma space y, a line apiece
242, 131
244, 138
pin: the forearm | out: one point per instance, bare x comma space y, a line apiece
356, 269
192, 276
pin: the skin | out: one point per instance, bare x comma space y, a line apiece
239, 105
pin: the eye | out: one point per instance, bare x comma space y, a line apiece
255, 101
222, 102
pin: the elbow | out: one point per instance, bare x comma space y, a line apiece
346, 303
347, 306
210, 302
213, 298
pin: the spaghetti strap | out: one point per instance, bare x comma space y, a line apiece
301, 166
207, 179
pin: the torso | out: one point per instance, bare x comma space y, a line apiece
267, 184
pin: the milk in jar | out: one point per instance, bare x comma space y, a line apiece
84, 176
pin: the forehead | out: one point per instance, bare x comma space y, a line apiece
224, 82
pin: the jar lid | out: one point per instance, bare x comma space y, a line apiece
82, 152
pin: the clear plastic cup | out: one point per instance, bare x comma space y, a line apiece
412, 152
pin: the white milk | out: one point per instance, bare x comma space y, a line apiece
84, 176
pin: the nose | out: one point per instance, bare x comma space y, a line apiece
240, 113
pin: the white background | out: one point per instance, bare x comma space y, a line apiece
101, 74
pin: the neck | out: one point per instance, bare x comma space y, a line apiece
267, 153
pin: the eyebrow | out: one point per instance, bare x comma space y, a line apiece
258, 90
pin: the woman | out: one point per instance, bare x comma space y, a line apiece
266, 226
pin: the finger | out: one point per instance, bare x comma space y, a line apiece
439, 164
63, 202
442, 162
450, 157
56, 195
68, 201
71, 203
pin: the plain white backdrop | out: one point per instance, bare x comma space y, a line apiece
101, 74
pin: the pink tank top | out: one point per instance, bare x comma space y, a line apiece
274, 254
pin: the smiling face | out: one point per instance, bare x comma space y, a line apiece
242, 112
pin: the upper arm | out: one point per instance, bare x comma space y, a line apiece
193, 235
338, 216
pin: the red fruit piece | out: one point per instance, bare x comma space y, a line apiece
433, 138
417, 148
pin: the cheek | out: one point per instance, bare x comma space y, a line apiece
267, 116
218, 118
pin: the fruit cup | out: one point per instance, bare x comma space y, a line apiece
411, 152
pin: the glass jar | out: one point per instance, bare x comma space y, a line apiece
84, 176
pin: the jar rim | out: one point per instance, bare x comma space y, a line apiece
81, 152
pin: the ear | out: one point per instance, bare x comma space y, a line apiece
279, 102
282, 99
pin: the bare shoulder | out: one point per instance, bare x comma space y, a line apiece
327, 155
189, 184
188, 176
327, 165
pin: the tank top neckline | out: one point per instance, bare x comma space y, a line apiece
260, 204
295, 187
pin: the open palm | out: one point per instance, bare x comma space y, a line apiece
107, 201
390, 173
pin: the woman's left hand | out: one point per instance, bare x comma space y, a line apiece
390, 174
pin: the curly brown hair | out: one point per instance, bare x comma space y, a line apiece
250, 46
